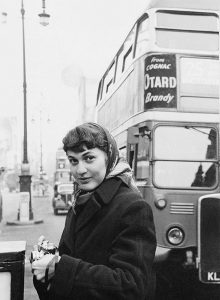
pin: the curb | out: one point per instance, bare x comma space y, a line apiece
23, 223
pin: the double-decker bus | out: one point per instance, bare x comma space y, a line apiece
159, 97
62, 172
63, 183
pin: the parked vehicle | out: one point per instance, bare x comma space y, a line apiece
62, 199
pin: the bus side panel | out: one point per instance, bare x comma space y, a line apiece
129, 93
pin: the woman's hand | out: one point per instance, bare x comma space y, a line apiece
44, 268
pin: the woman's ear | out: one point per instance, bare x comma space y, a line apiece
106, 161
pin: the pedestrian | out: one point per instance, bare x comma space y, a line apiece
107, 247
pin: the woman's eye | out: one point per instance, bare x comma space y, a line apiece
89, 158
72, 161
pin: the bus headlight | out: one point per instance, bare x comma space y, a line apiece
161, 203
175, 236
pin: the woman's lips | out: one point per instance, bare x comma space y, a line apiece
84, 180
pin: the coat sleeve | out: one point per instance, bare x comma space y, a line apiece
129, 272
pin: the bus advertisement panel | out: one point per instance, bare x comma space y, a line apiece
160, 88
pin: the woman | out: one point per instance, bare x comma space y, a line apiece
108, 243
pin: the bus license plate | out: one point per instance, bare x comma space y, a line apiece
209, 238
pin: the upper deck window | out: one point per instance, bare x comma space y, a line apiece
199, 84
125, 54
203, 71
187, 21
99, 95
142, 43
63, 175
109, 78
187, 30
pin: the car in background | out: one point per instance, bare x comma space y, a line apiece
62, 199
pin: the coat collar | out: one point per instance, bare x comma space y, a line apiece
108, 189
102, 195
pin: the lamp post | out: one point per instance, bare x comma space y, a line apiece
25, 177
42, 172
41, 149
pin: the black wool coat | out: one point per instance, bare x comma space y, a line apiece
107, 249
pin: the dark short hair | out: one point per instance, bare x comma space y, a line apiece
85, 135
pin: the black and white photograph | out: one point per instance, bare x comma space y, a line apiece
110, 150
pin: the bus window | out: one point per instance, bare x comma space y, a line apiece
187, 40
143, 158
119, 63
128, 50
196, 70
125, 55
138, 154
200, 78
142, 43
109, 78
187, 21
99, 95
132, 157
62, 176
185, 143
185, 175
185, 157
127, 59
201, 104
187, 31
123, 152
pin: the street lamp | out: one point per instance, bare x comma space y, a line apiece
44, 17
4, 17
25, 177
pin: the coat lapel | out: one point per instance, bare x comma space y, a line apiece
91, 208
102, 196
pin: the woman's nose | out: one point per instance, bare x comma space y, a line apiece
81, 169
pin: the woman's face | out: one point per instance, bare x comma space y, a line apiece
88, 167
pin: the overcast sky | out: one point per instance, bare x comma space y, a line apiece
81, 39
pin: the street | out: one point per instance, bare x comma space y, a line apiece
51, 228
